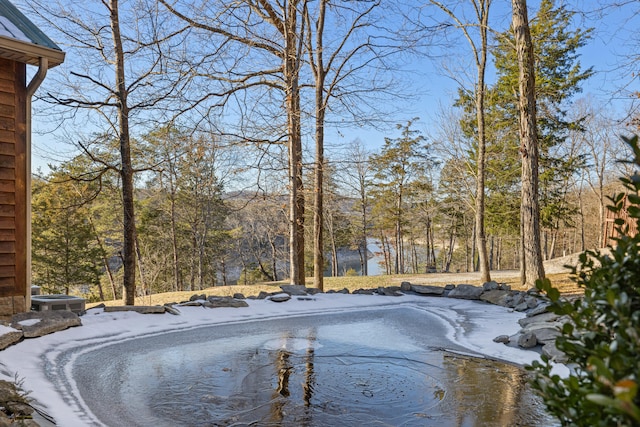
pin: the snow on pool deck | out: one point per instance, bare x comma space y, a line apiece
36, 362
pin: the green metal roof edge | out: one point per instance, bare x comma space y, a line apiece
23, 23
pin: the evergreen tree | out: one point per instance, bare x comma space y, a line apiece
65, 256
400, 169
558, 75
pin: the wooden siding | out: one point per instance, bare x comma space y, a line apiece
13, 174
610, 231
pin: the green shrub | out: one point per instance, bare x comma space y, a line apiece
602, 338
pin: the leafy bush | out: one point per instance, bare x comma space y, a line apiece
602, 338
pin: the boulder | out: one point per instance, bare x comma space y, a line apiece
300, 290
502, 339
313, 291
171, 310
466, 292
527, 340
239, 295
518, 298
497, 297
201, 297
263, 294
551, 351
405, 286
364, 291
546, 335
390, 291
540, 318
282, 297
38, 323
532, 301
521, 307
434, 291
9, 336
218, 302
541, 308
142, 309
490, 286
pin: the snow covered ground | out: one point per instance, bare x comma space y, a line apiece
45, 364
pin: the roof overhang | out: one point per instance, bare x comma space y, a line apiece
29, 53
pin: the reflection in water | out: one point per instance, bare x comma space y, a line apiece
326, 387
357, 371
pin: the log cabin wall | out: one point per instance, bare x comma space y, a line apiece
13, 191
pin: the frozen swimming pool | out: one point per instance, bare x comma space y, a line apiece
393, 366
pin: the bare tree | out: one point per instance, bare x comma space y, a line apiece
337, 68
531, 267
257, 30
479, 48
119, 71
601, 145
355, 175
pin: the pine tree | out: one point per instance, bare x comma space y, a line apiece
400, 168
65, 256
558, 75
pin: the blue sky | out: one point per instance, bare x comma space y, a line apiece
613, 40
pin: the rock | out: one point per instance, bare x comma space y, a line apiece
505, 287
14, 402
540, 318
435, 291
551, 351
38, 323
201, 297
546, 335
364, 291
405, 286
300, 290
497, 297
191, 304
490, 286
502, 339
527, 340
532, 302
449, 287
171, 310
466, 292
218, 302
238, 295
313, 291
521, 307
343, 291
263, 295
142, 309
518, 298
282, 297
389, 291
101, 305
541, 308
9, 338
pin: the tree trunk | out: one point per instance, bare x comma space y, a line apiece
274, 259
483, 259
318, 213
105, 261
126, 170
530, 211
296, 195
174, 235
